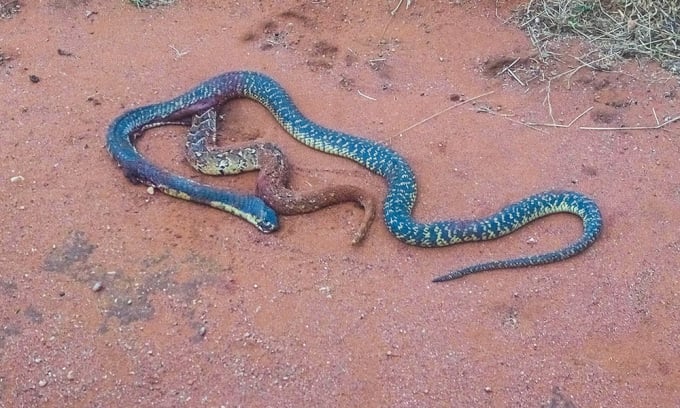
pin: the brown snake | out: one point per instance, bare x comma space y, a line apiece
274, 178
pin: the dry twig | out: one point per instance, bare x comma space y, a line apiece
442, 111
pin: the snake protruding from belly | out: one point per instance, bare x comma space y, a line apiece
378, 158
272, 182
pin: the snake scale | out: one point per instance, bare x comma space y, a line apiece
272, 182
378, 158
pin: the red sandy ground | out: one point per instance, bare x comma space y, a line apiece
200, 309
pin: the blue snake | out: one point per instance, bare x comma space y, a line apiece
376, 157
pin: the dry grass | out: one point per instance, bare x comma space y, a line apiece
617, 28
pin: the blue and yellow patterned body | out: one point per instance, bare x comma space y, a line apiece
380, 159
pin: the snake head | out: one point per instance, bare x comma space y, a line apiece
260, 215
268, 221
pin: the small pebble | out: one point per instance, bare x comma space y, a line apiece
34, 78
97, 286
150, 190
202, 330
16, 179
70, 376
42, 383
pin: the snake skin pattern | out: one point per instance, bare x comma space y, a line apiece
378, 158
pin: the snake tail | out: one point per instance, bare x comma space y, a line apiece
518, 214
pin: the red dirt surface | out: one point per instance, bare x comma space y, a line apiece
195, 307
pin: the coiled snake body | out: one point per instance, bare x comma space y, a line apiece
272, 182
378, 158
